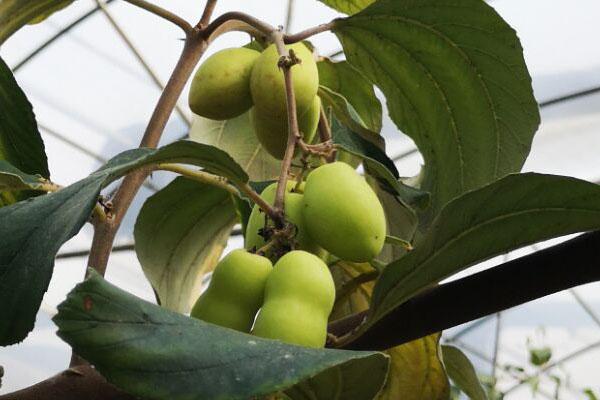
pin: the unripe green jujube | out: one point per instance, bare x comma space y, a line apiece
299, 297
293, 210
236, 291
267, 83
272, 130
221, 86
342, 213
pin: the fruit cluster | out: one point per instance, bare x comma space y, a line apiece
236, 80
333, 215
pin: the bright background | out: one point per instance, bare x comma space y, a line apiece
92, 99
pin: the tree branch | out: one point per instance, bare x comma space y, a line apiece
571, 263
81, 382
208, 12
165, 14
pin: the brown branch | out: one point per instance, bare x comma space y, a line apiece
571, 263
207, 14
161, 12
77, 383
305, 34
286, 63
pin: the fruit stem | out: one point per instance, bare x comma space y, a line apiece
286, 62
396, 241
165, 14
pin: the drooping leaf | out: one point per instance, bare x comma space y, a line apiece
416, 372
401, 222
455, 81
32, 231
180, 234
377, 164
20, 141
347, 6
16, 13
510, 213
463, 374
236, 137
152, 352
344, 111
344, 79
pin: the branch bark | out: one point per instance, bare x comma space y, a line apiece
571, 263
81, 382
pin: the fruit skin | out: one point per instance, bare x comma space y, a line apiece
268, 87
235, 292
342, 213
299, 297
272, 132
293, 213
221, 86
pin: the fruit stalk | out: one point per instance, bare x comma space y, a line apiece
286, 63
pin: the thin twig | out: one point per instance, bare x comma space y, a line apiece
305, 34
208, 12
259, 201
289, 15
200, 176
161, 12
396, 241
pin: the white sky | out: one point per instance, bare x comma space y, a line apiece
88, 87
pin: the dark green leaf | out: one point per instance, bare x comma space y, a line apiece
344, 79
455, 81
462, 373
347, 6
32, 231
20, 142
155, 353
180, 234
16, 13
510, 213
348, 116
401, 222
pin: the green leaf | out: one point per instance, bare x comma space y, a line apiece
510, 213
347, 6
344, 111
14, 14
462, 373
455, 81
541, 356
180, 234
401, 222
416, 372
152, 352
12, 179
236, 137
20, 141
342, 78
33, 231
377, 164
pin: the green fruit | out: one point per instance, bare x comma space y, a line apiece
272, 132
268, 87
235, 292
299, 297
221, 86
342, 213
293, 213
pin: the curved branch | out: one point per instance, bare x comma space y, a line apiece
571, 263
161, 12
81, 382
